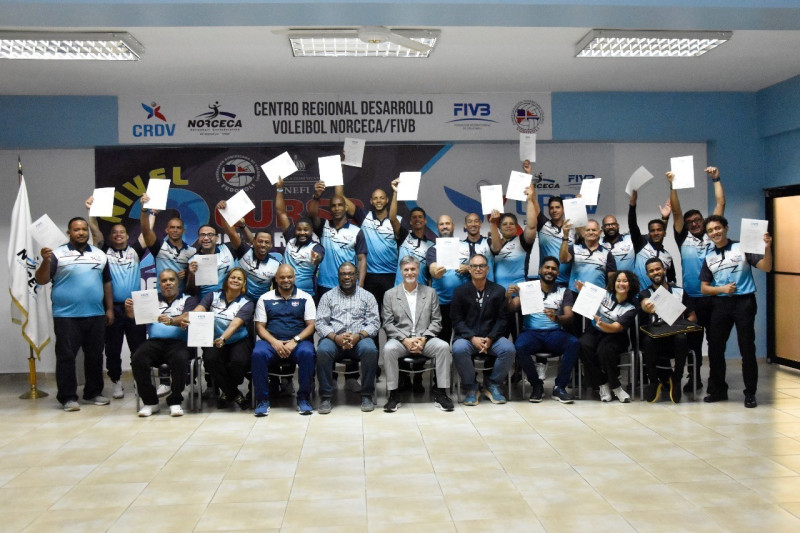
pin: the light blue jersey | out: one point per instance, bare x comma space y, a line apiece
693, 254
78, 279
299, 257
446, 284
623, 252
260, 273
225, 312
382, 256
557, 299
167, 256
225, 263
590, 266
730, 265
550, 237
126, 275
481, 247
341, 245
179, 305
511, 263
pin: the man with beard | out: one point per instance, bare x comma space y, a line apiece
652, 245
618, 244
226, 260
172, 253
544, 332
444, 280
412, 241
657, 352
477, 243
695, 245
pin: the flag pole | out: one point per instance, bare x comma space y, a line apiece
33, 393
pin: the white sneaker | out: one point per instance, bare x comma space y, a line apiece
352, 385
148, 410
118, 391
71, 406
163, 390
175, 410
99, 400
621, 395
541, 370
605, 393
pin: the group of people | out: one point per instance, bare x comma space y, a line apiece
345, 277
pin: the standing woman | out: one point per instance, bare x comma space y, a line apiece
228, 360
602, 343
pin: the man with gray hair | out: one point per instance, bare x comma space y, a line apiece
411, 320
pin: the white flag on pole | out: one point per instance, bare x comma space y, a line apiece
30, 302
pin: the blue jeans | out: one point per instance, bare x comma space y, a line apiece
264, 355
464, 350
556, 341
328, 353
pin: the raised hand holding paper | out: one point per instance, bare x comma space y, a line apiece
408, 186
590, 190
517, 183
102, 202
46, 233
751, 238
330, 170
353, 152
683, 168
237, 207
158, 191
527, 147
491, 198
279, 167
637, 180
575, 212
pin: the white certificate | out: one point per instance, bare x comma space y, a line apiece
575, 212
668, 306
206, 269
751, 238
492, 198
201, 330
683, 168
530, 297
237, 207
640, 176
448, 252
47, 233
145, 306
408, 186
588, 301
158, 191
590, 190
102, 202
517, 183
330, 170
279, 168
353, 152
527, 147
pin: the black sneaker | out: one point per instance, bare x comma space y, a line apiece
222, 401
393, 404
717, 397
442, 401
688, 387
538, 392
242, 403
560, 395
653, 393
674, 388
750, 401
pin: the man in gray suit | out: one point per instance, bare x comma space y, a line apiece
411, 320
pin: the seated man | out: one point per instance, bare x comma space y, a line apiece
285, 326
347, 321
479, 317
658, 352
411, 320
166, 344
544, 332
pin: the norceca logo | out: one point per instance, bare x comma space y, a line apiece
214, 121
156, 125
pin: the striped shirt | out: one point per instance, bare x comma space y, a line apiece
339, 313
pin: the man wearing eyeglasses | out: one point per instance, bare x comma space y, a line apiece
695, 245
226, 260
479, 317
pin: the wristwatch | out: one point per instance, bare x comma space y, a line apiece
296, 339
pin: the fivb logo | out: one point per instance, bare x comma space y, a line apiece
471, 110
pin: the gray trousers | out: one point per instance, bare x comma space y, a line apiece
434, 348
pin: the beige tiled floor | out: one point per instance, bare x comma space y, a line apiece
515, 467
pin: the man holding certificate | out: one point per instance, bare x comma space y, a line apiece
172, 252
545, 332
413, 240
166, 344
445, 278
657, 352
224, 261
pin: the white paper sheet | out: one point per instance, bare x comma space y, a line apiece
145, 306
527, 147
683, 168
751, 238
201, 330
588, 301
158, 191
279, 167
637, 180
206, 269
517, 183
530, 297
354, 152
47, 233
237, 207
668, 306
102, 202
491, 198
590, 190
330, 170
447, 252
408, 186
575, 212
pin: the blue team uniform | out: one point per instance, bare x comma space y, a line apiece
78, 279
550, 237
260, 273
225, 312
299, 258
416, 248
341, 245
124, 267
167, 256
225, 263
512, 262
381, 242
590, 266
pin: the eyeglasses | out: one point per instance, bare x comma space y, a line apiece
694, 220
482, 265
210, 235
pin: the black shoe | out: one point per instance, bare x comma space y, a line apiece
674, 388
688, 387
442, 401
720, 397
750, 401
242, 403
222, 401
392, 404
653, 393
560, 395
537, 393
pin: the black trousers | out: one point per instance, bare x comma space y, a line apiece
123, 326
156, 352
72, 334
726, 312
702, 307
659, 352
228, 365
600, 355
447, 324
377, 285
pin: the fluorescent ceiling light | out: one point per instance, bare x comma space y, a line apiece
104, 46
364, 42
634, 43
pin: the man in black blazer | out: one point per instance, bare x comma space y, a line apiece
479, 316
